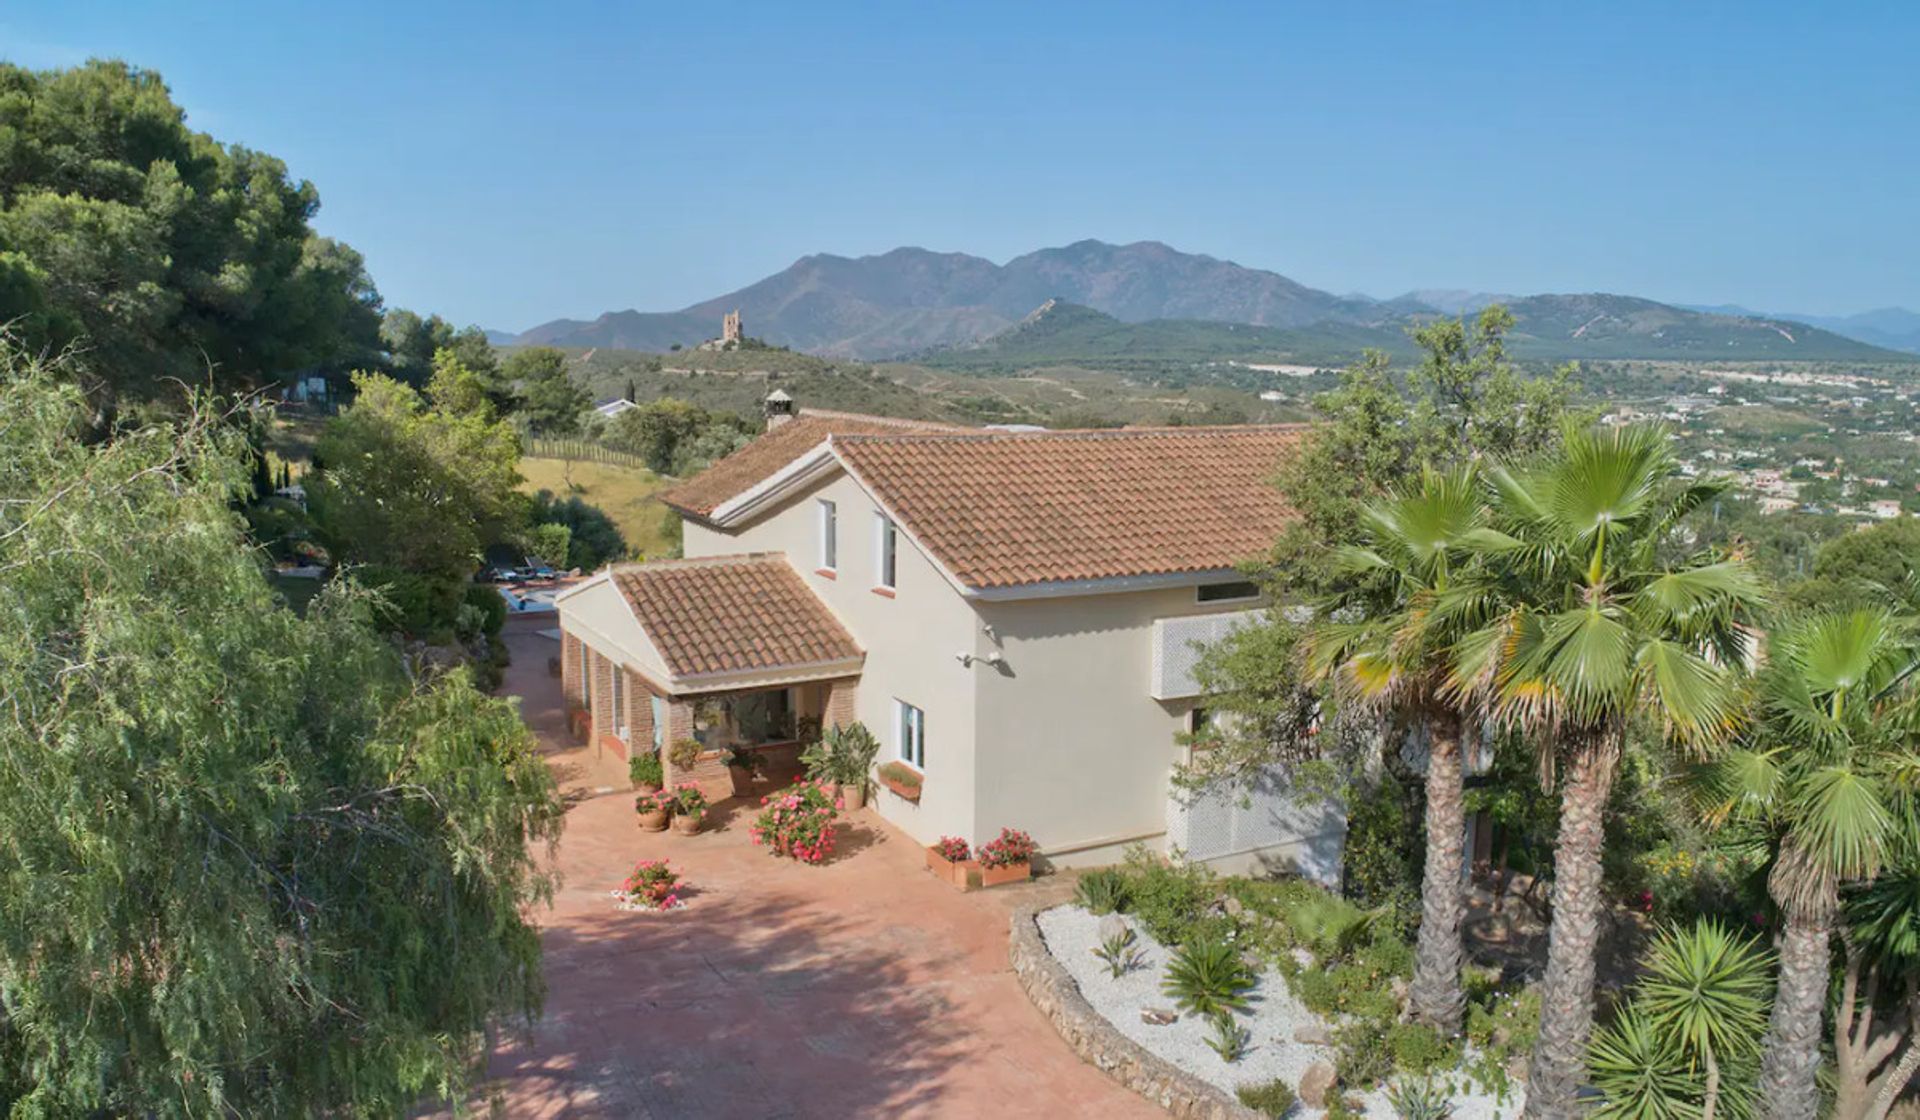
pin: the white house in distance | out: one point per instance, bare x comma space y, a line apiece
1015, 616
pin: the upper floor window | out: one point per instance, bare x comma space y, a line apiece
1226, 592
829, 536
886, 540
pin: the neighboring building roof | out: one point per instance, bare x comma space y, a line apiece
1002, 509
614, 407
732, 614
757, 461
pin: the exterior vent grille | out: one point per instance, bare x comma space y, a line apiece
1304, 836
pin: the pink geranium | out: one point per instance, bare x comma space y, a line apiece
798, 824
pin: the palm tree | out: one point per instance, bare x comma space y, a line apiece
1383, 643
1603, 629
1828, 775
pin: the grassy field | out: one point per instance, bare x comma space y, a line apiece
626, 495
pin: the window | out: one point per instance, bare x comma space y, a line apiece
886, 540
829, 537
1226, 592
910, 734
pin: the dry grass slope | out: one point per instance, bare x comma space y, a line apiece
626, 495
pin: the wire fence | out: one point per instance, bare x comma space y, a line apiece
582, 451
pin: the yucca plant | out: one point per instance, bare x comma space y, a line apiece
1228, 1038
1420, 1098
1688, 1044
1120, 954
1208, 978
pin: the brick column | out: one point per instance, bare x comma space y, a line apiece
840, 697
570, 668
602, 671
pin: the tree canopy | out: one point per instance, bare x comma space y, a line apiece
159, 252
253, 866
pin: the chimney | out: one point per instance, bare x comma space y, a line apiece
778, 408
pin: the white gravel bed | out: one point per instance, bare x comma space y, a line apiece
1072, 934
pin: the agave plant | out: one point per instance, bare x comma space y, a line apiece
1420, 1098
1208, 978
1120, 954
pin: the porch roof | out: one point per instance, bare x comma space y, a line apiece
728, 622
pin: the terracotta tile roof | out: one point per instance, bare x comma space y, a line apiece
1003, 509
730, 614
754, 463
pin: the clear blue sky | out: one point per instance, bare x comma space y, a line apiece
507, 164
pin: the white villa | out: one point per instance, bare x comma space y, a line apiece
1015, 616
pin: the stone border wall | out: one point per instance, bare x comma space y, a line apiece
1097, 1041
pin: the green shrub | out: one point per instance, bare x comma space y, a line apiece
1386, 848
491, 605
1208, 977
416, 605
1360, 1053
645, 770
1270, 1098
1171, 902
1418, 1049
1325, 924
1105, 891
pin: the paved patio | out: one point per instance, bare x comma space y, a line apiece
861, 988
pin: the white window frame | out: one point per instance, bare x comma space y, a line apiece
829, 532
886, 552
910, 734
617, 696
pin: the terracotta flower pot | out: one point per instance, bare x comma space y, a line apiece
685, 824
902, 789
853, 796
654, 820
954, 871
1009, 873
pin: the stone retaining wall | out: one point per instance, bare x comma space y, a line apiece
1099, 1044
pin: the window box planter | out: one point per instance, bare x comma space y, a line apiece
904, 782
962, 873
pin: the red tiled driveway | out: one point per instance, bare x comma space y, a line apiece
861, 988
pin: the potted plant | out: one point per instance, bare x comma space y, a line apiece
689, 808
652, 886
902, 779
1007, 858
653, 809
645, 772
853, 750
743, 765
797, 823
951, 859
684, 754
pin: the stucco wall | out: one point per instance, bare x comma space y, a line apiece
911, 641
1069, 714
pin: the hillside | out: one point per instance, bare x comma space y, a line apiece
1181, 307
1547, 328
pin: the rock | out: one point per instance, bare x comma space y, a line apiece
1113, 926
1399, 990
1316, 1085
1303, 958
1312, 1034
1517, 1069
1501, 1037
1158, 1016
1233, 907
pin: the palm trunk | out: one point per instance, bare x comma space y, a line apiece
1559, 1064
1792, 1055
1439, 1000
1710, 1102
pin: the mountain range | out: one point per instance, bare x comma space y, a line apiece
1157, 300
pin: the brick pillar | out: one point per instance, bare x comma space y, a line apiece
679, 726
602, 671
633, 692
840, 697
570, 668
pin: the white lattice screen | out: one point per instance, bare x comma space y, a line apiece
1177, 645
1309, 834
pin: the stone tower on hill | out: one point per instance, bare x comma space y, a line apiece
730, 328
